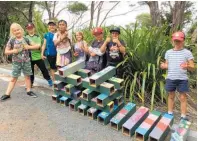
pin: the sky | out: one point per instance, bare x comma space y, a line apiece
122, 7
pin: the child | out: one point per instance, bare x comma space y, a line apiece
80, 47
19, 47
63, 45
115, 50
95, 61
36, 54
50, 52
178, 61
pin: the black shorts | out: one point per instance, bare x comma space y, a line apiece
52, 62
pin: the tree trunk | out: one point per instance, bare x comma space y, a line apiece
92, 14
48, 10
154, 12
98, 15
53, 12
178, 15
31, 11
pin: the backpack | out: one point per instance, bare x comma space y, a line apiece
12, 46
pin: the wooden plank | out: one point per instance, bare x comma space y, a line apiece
84, 73
88, 94
143, 131
58, 85
129, 127
71, 68
100, 77
105, 117
73, 105
107, 88
123, 115
182, 131
162, 128
118, 83
74, 79
93, 113
82, 109
103, 99
65, 100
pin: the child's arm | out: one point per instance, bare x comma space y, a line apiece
188, 65
120, 45
10, 51
164, 65
43, 49
191, 65
104, 46
32, 47
85, 47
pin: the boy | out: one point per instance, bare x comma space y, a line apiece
178, 61
115, 49
36, 54
49, 49
95, 61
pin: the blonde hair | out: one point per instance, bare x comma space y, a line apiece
16, 25
80, 34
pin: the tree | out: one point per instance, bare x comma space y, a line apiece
178, 15
77, 9
154, 12
91, 14
144, 20
51, 7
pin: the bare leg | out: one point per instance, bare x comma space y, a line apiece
52, 74
11, 85
183, 100
28, 83
171, 98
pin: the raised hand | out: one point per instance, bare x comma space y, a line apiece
163, 65
184, 65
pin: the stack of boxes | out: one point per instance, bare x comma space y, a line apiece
100, 97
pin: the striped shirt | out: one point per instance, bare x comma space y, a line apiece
175, 59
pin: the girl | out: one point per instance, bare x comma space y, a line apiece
80, 47
19, 47
63, 45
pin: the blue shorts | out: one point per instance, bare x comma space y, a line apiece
179, 85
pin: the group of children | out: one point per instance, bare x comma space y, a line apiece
58, 49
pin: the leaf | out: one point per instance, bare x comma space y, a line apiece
143, 86
153, 65
153, 95
162, 90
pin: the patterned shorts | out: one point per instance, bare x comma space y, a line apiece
25, 67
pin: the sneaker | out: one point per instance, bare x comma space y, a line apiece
30, 93
50, 83
5, 97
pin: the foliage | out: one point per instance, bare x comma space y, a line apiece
144, 20
145, 50
77, 7
41, 28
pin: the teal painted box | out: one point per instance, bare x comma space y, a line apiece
100, 77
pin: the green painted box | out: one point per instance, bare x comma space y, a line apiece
84, 73
100, 77
118, 83
107, 88
74, 79
71, 68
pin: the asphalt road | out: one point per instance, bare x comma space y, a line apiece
23, 118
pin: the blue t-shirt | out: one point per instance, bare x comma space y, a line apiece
50, 47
